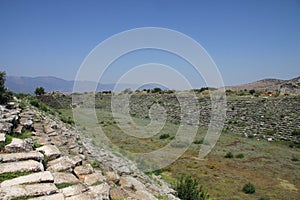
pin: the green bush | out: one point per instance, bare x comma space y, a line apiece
240, 155
296, 132
35, 102
189, 189
198, 141
164, 136
249, 188
229, 155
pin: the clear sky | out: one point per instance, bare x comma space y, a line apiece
248, 39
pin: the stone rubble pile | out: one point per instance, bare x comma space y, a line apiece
56, 163
273, 118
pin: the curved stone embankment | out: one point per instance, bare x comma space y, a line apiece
43, 158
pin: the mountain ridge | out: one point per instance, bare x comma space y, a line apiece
25, 84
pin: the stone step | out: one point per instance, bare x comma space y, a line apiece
63, 177
73, 190
61, 164
12, 157
58, 196
19, 145
50, 151
21, 166
80, 197
40, 177
32, 190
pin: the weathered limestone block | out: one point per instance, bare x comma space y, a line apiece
21, 166
132, 183
32, 190
63, 177
19, 145
58, 196
61, 164
12, 157
99, 191
50, 151
82, 171
40, 177
93, 178
73, 190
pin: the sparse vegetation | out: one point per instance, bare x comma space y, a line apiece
63, 185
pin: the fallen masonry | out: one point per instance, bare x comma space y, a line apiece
54, 162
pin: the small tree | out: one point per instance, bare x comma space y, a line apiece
39, 91
5, 94
156, 90
252, 92
188, 189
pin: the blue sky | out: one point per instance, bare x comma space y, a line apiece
248, 40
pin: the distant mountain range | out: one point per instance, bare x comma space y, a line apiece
27, 85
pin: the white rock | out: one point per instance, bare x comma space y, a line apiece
21, 166
18, 145
32, 155
50, 151
32, 190
62, 177
58, 196
73, 190
60, 164
2, 137
31, 178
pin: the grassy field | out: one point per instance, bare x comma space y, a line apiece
273, 167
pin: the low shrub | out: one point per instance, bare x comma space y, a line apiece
164, 136
240, 155
229, 155
249, 188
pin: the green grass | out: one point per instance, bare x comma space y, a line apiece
8, 140
263, 163
11, 175
63, 185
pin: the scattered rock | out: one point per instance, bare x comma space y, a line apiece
113, 177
